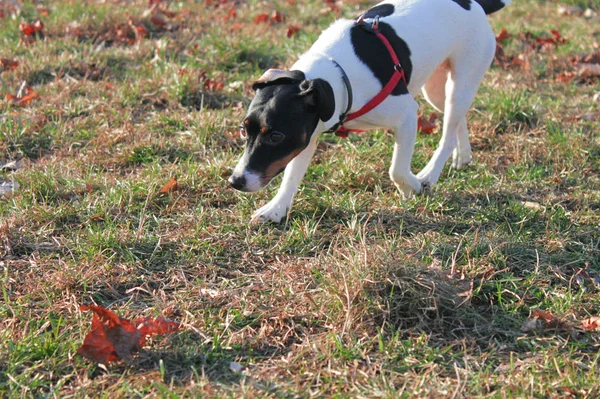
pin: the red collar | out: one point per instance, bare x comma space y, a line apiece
398, 75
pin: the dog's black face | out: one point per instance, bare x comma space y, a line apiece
280, 123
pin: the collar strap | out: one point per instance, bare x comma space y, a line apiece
346, 80
398, 75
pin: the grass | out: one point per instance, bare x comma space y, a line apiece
359, 294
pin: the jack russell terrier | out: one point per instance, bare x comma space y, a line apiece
364, 74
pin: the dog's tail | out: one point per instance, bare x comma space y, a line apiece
490, 6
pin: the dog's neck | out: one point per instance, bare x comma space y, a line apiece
318, 65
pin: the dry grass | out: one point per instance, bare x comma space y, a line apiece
359, 294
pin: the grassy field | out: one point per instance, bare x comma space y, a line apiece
359, 293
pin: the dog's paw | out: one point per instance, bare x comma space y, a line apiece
271, 212
407, 185
460, 159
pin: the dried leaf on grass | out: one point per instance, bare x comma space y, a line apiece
275, 18
543, 320
588, 117
28, 29
292, 30
8, 64
169, 187
113, 338
592, 323
428, 125
23, 99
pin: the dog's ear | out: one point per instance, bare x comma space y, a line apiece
319, 94
277, 76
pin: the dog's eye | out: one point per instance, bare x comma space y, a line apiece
243, 133
276, 138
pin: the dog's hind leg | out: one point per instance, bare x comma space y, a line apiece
434, 92
405, 133
460, 90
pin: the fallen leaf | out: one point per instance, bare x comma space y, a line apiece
169, 187
591, 323
159, 326
551, 321
213, 85
231, 14
555, 39
503, 36
28, 29
588, 117
9, 64
277, 17
261, 18
24, 99
427, 126
112, 337
566, 77
292, 30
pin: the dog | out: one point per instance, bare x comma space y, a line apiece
364, 74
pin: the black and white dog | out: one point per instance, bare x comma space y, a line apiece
444, 48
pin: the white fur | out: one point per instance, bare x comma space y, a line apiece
451, 49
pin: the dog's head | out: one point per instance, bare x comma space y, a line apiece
280, 122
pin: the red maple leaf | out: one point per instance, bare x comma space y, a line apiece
427, 125
8, 64
21, 100
113, 338
261, 18
292, 30
31, 29
503, 36
214, 85
277, 17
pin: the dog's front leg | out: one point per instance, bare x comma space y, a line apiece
406, 134
279, 206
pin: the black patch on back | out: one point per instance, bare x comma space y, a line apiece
466, 4
383, 10
490, 6
373, 53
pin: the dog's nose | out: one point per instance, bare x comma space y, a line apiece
237, 182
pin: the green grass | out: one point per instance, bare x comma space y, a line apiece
359, 293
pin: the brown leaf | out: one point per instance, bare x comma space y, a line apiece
113, 337
588, 117
566, 77
428, 126
292, 30
159, 326
36, 28
555, 39
169, 187
231, 14
261, 18
214, 85
551, 321
591, 323
277, 17
23, 100
9, 64
503, 35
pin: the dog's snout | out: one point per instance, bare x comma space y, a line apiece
237, 182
